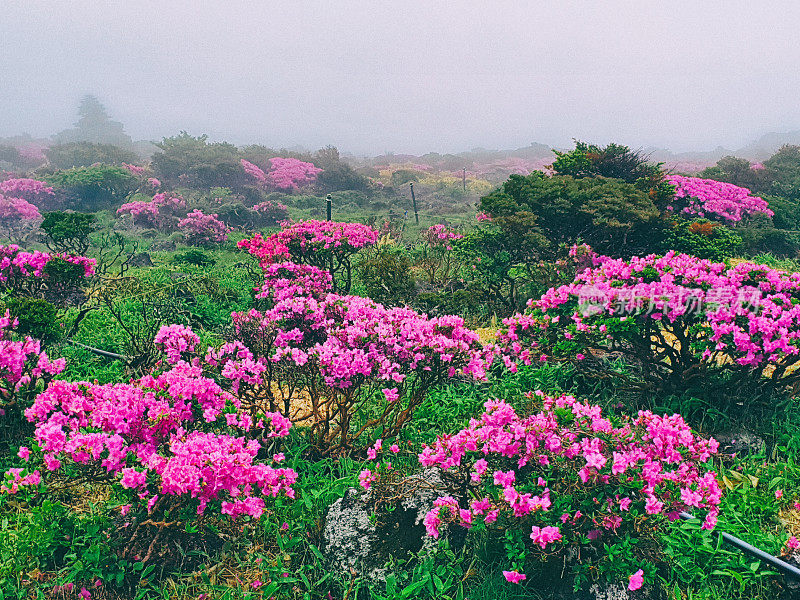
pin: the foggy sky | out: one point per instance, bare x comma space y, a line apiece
407, 76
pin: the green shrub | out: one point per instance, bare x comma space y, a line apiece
37, 318
703, 239
194, 257
769, 240
69, 231
386, 274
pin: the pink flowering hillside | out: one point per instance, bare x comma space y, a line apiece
681, 318
715, 199
564, 482
325, 244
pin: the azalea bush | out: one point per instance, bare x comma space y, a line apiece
162, 212
285, 174
36, 192
568, 485
24, 369
716, 200
342, 365
38, 274
174, 443
327, 245
201, 229
681, 319
18, 218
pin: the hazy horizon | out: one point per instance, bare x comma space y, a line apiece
371, 77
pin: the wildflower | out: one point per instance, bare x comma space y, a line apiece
514, 576
636, 580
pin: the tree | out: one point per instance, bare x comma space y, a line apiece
95, 126
95, 187
69, 232
738, 171
193, 161
85, 154
612, 216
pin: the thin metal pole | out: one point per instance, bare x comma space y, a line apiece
776, 562
330, 205
464, 178
414, 201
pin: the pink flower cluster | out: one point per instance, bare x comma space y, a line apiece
13, 210
202, 229
350, 340
254, 171
283, 281
284, 174
271, 213
157, 212
717, 199
23, 363
134, 170
24, 272
744, 316
25, 188
574, 474
176, 341
148, 435
303, 240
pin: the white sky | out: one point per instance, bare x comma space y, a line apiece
411, 76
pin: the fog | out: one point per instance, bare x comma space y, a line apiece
411, 76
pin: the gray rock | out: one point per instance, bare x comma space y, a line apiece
360, 538
141, 260
740, 443
615, 591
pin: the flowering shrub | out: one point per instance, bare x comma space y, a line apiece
283, 281
254, 171
158, 213
34, 191
31, 274
173, 443
715, 199
23, 366
680, 317
342, 364
324, 244
291, 174
175, 341
285, 173
569, 477
271, 213
201, 229
436, 258
18, 217
134, 169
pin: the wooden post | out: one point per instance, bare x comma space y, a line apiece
414, 201
330, 203
464, 178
